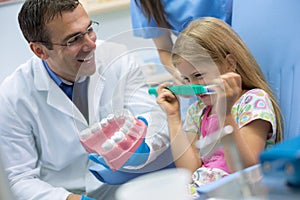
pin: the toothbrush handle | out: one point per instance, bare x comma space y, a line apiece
152, 91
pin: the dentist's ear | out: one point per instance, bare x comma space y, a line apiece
39, 50
231, 67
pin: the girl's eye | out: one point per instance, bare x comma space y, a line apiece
186, 80
198, 76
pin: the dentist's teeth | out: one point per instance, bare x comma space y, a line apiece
86, 59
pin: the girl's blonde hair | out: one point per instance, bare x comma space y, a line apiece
211, 38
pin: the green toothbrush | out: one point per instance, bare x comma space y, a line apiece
184, 90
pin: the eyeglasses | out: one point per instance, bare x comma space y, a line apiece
79, 38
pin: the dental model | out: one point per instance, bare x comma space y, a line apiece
115, 138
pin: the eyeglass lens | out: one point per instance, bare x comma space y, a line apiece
77, 39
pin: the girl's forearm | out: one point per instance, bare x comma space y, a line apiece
247, 155
184, 153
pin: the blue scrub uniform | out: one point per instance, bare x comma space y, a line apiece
179, 13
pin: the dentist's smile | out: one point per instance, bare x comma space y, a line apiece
86, 59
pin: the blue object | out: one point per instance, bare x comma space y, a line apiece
271, 31
143, 119
86, 198
283, 161
104, 174
179, 14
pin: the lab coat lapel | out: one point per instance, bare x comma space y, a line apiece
55, 96
60, 101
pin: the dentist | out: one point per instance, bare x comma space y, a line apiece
71, 82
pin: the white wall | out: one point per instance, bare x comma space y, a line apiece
14, 49
113, 23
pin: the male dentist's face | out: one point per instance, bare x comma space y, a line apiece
76, 60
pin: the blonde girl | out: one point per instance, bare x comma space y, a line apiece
209, 52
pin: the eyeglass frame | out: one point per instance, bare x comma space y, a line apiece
79, 35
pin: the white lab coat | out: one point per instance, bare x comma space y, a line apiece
39, 124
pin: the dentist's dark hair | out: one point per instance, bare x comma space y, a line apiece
35, 14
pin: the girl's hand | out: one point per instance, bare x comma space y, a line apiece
229, 89
167, 100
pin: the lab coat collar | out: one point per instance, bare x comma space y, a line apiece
55, 96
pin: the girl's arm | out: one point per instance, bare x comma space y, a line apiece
182, 145
250, 139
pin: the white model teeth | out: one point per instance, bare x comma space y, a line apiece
108, 145
118, 136
104, 122
124, 130
130, 119
128, 124
96, 127
85, 133
110, 117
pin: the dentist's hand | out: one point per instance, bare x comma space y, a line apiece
104, 174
